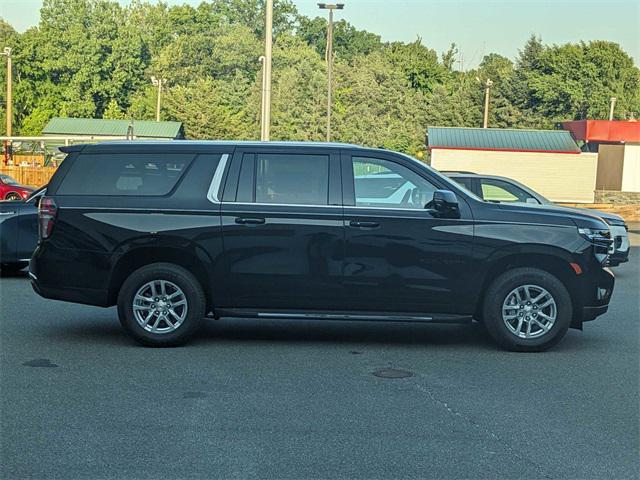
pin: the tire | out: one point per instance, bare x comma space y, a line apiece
12, 196
12, 268
157, 322
508, 331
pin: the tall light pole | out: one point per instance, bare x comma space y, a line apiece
612, 107
265, 124
7, 53
487, 90
331, 7
158, 82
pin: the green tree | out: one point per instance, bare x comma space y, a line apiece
225, 116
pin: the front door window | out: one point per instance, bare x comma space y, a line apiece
380, 183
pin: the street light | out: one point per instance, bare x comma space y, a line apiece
331, 7
612, 107
7, 53
265, 122
158, 82
487, 89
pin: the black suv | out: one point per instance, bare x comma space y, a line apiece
174, 231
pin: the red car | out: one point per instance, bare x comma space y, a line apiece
10, 189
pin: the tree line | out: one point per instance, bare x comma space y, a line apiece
94, 58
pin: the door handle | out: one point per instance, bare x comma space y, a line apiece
7, 213
250, 221
356, 224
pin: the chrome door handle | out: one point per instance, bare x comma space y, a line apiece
354, 223
250, 221
7, 213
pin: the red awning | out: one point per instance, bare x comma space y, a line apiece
616, 131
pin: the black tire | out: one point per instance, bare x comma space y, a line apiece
12, 268
12, 196
193, 294
498, 292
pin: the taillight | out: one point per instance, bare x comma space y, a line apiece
47, 212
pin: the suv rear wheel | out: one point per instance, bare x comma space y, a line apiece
527, 310
161, 305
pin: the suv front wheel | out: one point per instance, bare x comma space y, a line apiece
161, 305
527, 310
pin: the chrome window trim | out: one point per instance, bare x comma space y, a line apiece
216, 181
282, 204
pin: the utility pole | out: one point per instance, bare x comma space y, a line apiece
7, 53
266, 72
487, 89
612, 107
9, 113
331, 7
158, 82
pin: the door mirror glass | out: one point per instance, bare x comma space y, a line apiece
444, 204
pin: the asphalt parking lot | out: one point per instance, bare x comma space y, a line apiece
283, 399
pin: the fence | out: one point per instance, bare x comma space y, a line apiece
33, 176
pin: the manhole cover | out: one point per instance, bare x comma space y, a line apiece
194, 395
392, 373
40, 362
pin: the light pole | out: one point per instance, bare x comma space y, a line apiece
265, 126
158, 82
331, 7
612, 107
7, 53
487, 90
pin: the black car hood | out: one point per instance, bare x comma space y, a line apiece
554, 214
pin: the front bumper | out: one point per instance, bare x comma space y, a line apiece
618, 257
597, 303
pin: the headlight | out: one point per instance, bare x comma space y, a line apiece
601, 240
593, 234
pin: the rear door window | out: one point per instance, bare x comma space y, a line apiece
131, 174
464, 182
292, 179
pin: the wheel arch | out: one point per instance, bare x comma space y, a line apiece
136, 258
556, 265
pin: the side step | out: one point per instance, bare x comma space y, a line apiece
349, 316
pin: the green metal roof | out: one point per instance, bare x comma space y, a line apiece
103, 127
514, 140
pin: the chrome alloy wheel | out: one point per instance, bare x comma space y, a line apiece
529, 311
160, 306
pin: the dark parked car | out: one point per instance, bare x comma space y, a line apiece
493, 188
18, 232
11, 190
170, 232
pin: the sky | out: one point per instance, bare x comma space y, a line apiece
478, 27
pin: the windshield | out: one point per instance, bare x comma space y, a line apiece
8, 180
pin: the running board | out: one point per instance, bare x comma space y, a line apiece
373, 316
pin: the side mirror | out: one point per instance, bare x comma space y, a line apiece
445, 204
532, 201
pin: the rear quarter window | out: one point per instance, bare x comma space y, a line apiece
132, 174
